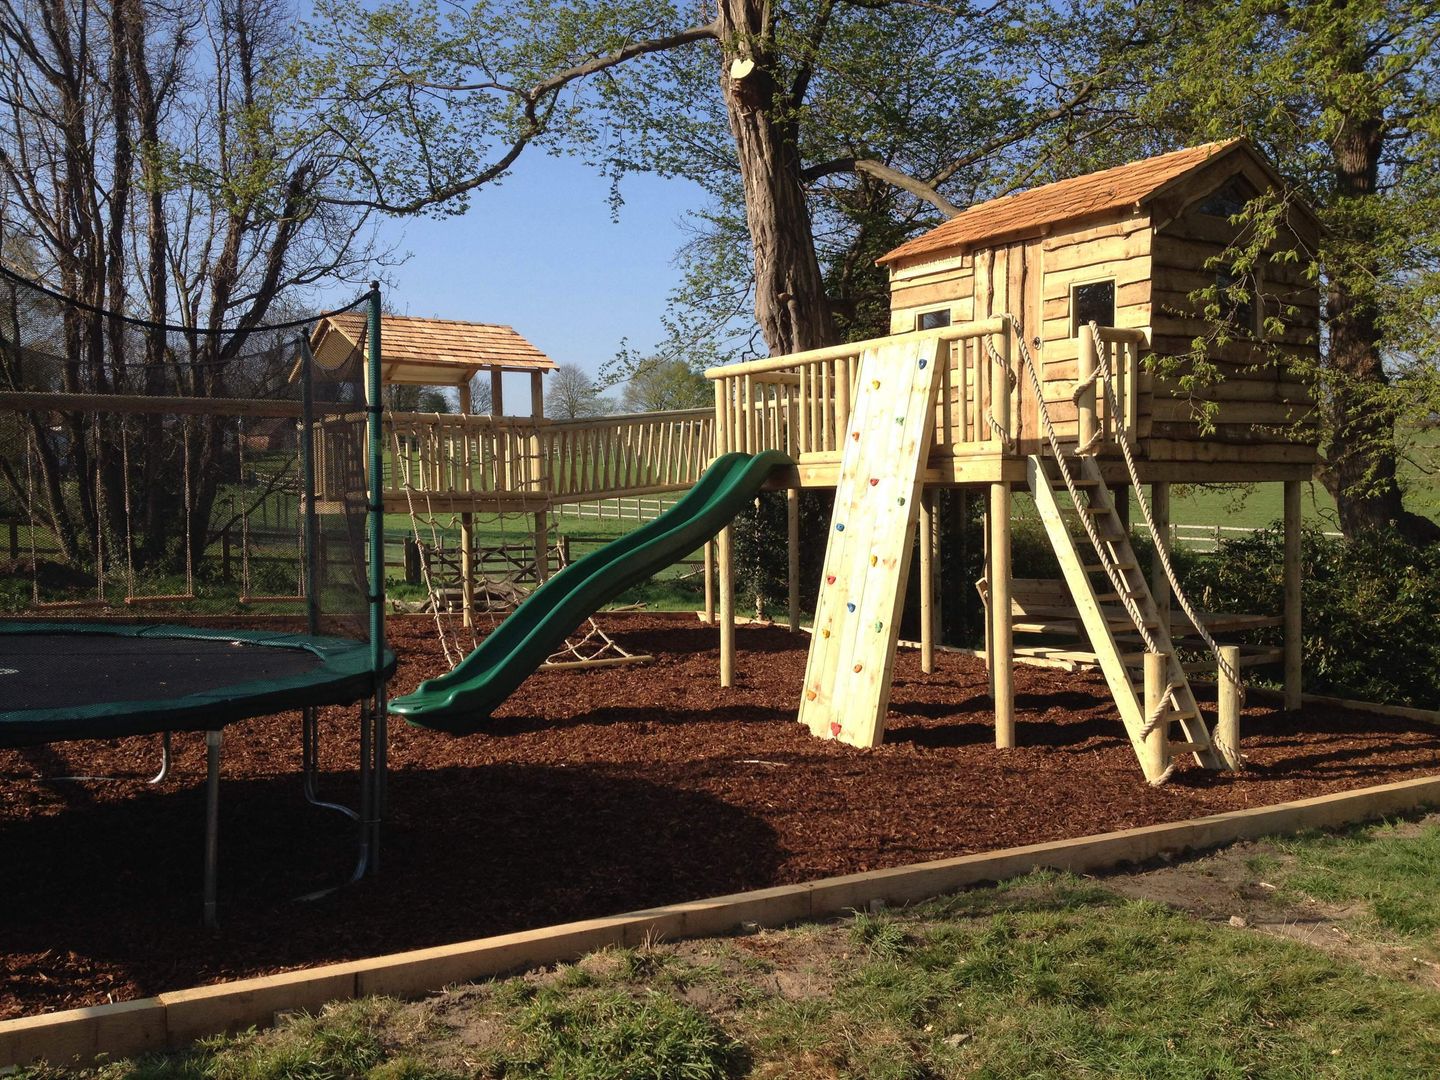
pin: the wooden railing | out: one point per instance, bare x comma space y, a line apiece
801, 403
1101, 415
642, 454
537, 462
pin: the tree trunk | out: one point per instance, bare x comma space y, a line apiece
1361, 471
790, 303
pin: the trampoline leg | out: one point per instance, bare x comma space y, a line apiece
212, 822
381, 775
159, 777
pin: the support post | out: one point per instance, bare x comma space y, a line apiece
213, 741
1156, 757
1159, 583
727, 608
1227, 727
927, 581
792, 580
1293, 638
708, 554
1085, 423
1002, 644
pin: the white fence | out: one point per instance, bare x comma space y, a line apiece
632, 508
1206, 538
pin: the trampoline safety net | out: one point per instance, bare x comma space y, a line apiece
164, 473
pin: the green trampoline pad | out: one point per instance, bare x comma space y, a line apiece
61, 681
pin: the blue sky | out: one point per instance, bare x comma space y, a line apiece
541, 253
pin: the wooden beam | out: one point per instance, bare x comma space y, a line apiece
792, 568
1293, 570
927, 581
497, 392
1227, 726
727, 608
537, 394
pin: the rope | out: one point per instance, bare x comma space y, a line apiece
1119, 585
1161, 547
998, 361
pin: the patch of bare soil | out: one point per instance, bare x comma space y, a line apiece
592, 792
1231, 886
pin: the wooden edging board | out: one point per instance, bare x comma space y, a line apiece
175, 1019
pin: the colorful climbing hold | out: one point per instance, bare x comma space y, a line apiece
900, 501
855, 435
834, 730
840, 527
829, 579
874, 480
874, 559
858, 668
809, 695
825, 632
850, 606
899, 420
923, 361
875, 384
879, 626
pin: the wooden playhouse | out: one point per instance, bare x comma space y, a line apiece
1023, 355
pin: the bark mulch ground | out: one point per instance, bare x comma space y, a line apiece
591, 793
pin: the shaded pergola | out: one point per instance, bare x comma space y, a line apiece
436, 352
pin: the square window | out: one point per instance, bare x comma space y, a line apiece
932, 320
1092, 302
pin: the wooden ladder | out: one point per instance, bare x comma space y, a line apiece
1124, 584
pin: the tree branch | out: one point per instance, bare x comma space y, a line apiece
921, 189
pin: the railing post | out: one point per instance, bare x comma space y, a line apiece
1000, 383
1085, 422
1132, 391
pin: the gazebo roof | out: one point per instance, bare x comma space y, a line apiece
426, 352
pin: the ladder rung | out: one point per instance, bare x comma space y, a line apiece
1095, 568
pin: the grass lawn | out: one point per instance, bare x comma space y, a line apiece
1043, 976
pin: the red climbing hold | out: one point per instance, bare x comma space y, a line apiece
834, 730
873, 481
829, 579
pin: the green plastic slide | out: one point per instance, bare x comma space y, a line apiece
461, 701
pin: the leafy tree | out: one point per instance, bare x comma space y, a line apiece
403, 397
664, 385
573, 395
805, 124
1342, 95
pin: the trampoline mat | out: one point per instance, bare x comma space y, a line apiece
98, 681
62, 671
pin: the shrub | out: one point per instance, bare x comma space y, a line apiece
1371, 606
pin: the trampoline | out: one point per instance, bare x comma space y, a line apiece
70, 681
180, 481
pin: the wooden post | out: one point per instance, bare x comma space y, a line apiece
467, 534
1293, 637
708, 554
927, 580
727, 608
1003, 646
792, 528
1227, 727
1000, 385
1156, 758
1085, 369
1159, 583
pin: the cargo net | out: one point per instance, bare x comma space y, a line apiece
159, 471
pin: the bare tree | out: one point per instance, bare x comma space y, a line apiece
573, 395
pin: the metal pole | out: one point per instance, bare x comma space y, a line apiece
307, 463
213, 740
379, 765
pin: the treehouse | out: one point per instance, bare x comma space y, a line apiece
1113, 332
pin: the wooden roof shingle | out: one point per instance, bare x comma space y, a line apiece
427, 352
1065, 200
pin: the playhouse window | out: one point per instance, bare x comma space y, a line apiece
932, 320
1229, 199
1092, 302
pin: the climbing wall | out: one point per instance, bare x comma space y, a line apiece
867, 557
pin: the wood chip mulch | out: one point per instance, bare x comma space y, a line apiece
592, 792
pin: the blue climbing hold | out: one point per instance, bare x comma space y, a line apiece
840, 528
923, 362
850, 606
